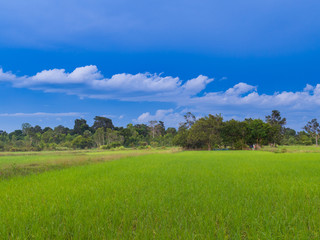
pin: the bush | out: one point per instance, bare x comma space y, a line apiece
154, 144
53, 146
111, 145
105, 147
82, 142
115, 144
239, 145
142, 143
144, 147
121, 148
118, 148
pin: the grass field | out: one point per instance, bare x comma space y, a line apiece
25, 163
182, 195
293, 149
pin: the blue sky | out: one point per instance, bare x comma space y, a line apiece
136, 61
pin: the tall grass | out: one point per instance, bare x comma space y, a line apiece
188, 195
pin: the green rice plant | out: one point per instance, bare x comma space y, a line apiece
184, 195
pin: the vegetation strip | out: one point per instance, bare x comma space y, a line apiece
209, 132
8, 170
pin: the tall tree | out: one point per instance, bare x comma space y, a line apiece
277, 123
99, 137
190, 119
102, 122
313, 128
160, 129
80, 125
26, 127
152, 127
61, 129
142, 129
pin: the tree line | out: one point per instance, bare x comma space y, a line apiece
209, 132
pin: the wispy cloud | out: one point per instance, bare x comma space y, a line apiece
42, 114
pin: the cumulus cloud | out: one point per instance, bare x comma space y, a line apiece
196, 85
308, 88
53, 77
240, 88
89, 82
138, 83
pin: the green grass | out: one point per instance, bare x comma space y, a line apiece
293, 149
12, 164
186, 195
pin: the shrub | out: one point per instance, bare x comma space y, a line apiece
115, 144
154, 144
142, 143
104, 147
111, 145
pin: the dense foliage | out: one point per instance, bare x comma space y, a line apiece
209, 132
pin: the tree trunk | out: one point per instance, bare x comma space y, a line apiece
316, 140
209, 147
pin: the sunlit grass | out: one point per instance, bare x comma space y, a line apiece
35, 162
187, 195
293, 148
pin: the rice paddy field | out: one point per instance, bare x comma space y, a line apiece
163, 194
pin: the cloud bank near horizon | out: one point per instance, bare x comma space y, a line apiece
186, 95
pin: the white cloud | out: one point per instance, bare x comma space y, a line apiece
308, 88
196, 85
145, 82
54, 76
240, 88
168, 116
88, 82
42, 114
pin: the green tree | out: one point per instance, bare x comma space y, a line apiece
257, 131
181, 138
113, 136
152, 127
313, 128
233, 133
81, 142
190, 119
26, 127
276, 122
102, 122
80, 125
160, 129
207, 132
171, 130
99, 137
